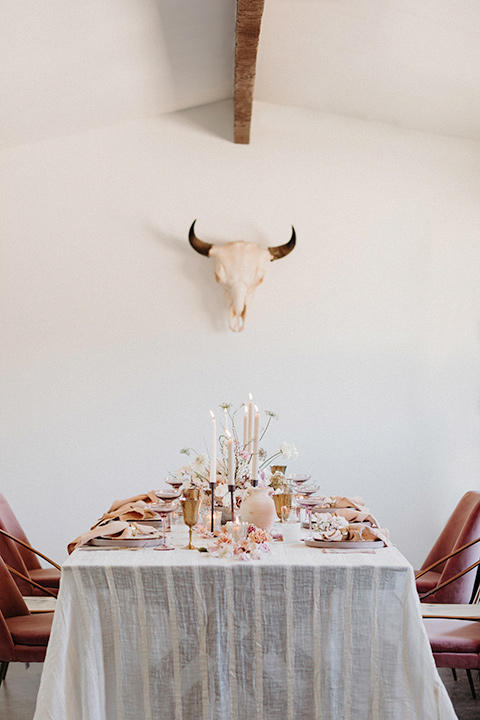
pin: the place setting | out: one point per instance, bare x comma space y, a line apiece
239, 501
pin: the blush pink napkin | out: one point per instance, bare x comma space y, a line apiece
134, 508
365, 533
118, 529
354, 516
144, 498
341, 501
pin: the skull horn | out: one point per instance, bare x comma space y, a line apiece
201, 247
282, 250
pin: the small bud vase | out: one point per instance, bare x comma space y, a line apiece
258, 508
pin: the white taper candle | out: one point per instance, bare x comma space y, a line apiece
213, 451
256, 424
231, 470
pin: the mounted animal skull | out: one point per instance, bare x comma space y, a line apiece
239, 268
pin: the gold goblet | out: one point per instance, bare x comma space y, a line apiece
284, 499
191, 508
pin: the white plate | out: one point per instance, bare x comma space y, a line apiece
344, 544
127, 542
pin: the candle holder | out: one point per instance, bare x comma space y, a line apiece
237, 530
191, 507
212, 507
231, 490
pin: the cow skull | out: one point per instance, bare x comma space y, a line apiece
239, 268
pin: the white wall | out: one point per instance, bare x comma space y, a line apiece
70, 66
365, 340
414, 64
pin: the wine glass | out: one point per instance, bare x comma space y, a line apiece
191, 503
164, 511
174, 482
167, 495
308, 503
298, 480
307, 490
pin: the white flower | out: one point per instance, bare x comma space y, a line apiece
241, 493
221, 490
289, 452
200, 463
331, 534
225, 550
329, 527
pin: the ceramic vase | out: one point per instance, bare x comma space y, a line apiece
258, 508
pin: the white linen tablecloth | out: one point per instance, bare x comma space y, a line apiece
180, 635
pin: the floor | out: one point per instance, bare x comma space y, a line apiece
19, 691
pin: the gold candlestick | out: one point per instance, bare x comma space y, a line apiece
191, 508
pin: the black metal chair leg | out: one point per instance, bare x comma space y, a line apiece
470, 681
3, 671
454, 673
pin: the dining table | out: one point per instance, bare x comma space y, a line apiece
303, 633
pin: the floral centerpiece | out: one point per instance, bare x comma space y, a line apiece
197, 472
252, 547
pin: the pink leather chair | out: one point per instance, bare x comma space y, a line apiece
23, 637
455, 644
455, 639
462, 527
22, 557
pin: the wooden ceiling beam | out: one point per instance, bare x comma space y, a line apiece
247, 34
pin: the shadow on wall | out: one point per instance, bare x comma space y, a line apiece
215, 119
198, 273
199, 40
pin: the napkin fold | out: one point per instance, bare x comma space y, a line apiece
134, 508
365, 533
342, 501
354, 516
118, 529
131, 511
140, 500
355, 533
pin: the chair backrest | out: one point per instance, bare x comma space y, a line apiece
462, 527
11, 605
9, 522
10, 556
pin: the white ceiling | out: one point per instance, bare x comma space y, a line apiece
68, 66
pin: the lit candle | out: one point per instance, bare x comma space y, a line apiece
231, 470
250, 421
245, 427
226, 421
255, 445
213, 452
